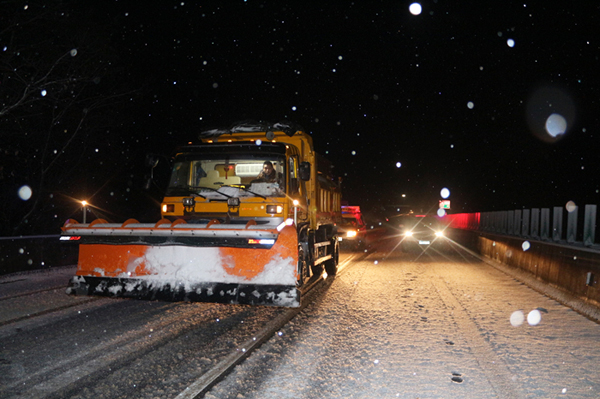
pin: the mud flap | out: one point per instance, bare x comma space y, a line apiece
230, 293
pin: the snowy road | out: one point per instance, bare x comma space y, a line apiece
113, 348
437, 327
392, 324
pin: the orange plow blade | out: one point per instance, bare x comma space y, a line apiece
186, 262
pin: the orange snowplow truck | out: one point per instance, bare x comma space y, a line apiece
248, 217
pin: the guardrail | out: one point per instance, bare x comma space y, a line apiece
563, 226
25, 253
560, 250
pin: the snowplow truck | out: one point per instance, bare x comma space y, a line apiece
249, 217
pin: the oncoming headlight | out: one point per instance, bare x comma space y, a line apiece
439, 233
351, 233
408, 234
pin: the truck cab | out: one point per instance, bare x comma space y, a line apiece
352, 229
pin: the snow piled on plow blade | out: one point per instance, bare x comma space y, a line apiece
178, 272
275, 295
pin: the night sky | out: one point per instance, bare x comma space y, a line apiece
458, 96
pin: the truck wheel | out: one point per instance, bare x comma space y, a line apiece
331, 265
303, 273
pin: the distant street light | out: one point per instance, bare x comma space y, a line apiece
84, 204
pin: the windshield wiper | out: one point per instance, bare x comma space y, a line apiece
209, 188
182, 190
246, 190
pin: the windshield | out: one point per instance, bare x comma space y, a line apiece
427, 223
351, 222
221, 178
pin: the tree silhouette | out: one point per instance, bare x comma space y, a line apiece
62, 93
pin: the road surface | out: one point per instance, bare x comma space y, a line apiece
392, 324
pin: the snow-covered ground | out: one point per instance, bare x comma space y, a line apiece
446, 325
438, 327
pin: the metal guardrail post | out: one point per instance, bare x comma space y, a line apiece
545, 224
589, 225
485, 219
498, 222
572, 226
535, 223
525, 225
557, 219
510, 219
517, 222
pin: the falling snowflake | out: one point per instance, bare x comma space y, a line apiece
415, 8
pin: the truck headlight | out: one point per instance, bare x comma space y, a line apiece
274, 209
233, 202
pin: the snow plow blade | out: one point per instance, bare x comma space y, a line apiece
251, 264
276, 295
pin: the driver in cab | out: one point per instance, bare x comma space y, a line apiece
269, 175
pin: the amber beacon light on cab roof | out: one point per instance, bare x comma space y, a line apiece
248, 217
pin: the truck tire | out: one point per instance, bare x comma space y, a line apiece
303, 273
331, 265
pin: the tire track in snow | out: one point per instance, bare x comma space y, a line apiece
493, 367
328, 337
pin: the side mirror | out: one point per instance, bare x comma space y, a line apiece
148, 183
304, 171
151, 161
